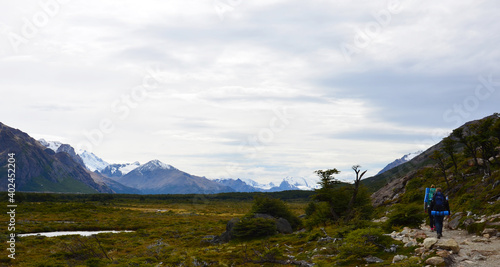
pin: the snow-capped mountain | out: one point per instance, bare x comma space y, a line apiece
153, 165
118, 170
302, 183
89, 160
54, 145
400, 161
92, 162
156, 177
163, 178
288, 183
238, 185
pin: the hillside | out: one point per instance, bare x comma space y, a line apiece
466, 165
39, 169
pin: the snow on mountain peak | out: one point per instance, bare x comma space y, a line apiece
153, 165
400, 161
92, 162
126, 168
301, 183
298, 183
410, 156
54, 145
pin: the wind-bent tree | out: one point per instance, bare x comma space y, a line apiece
327, 180
357, 181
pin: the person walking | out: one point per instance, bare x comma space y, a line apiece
439, 208
429, 195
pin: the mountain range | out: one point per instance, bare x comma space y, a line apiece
51, 166
155, 177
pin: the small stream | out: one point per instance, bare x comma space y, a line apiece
82, 233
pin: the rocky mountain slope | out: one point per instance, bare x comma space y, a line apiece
471, 178
40, 169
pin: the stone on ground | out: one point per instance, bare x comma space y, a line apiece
435, 261
448, 244
429, 242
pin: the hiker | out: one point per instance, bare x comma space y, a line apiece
429, 194
439, 208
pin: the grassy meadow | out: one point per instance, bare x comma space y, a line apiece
168, 231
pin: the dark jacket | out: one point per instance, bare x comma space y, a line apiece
446, 204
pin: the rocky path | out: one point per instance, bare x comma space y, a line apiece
474, 250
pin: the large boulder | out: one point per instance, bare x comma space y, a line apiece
228, 234
429, 242
448, 244
455, 221
283, 226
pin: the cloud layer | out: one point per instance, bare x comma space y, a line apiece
250, 89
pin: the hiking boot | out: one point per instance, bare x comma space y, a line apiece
432, 229
439, 236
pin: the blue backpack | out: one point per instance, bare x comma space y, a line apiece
439, 201
439, 208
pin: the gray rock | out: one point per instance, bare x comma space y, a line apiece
372, 259
453, 224
468, 222
228, 234
399, 258
490, 231
448, 244
283, 226
476, 256
429, 242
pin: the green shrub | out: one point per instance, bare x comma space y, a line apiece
248, 228
317, 213
363, 242
276, 208
476, 228
413, 196
337, 199
410, 215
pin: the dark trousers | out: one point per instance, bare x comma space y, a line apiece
438, 220
431, 219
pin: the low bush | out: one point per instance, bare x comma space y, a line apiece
249, 228
276, 208
362, 243
410, 215
317, 213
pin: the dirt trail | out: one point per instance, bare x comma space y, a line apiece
474, 250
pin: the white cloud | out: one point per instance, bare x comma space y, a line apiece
217, 79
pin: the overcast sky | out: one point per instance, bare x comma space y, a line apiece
259, 89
